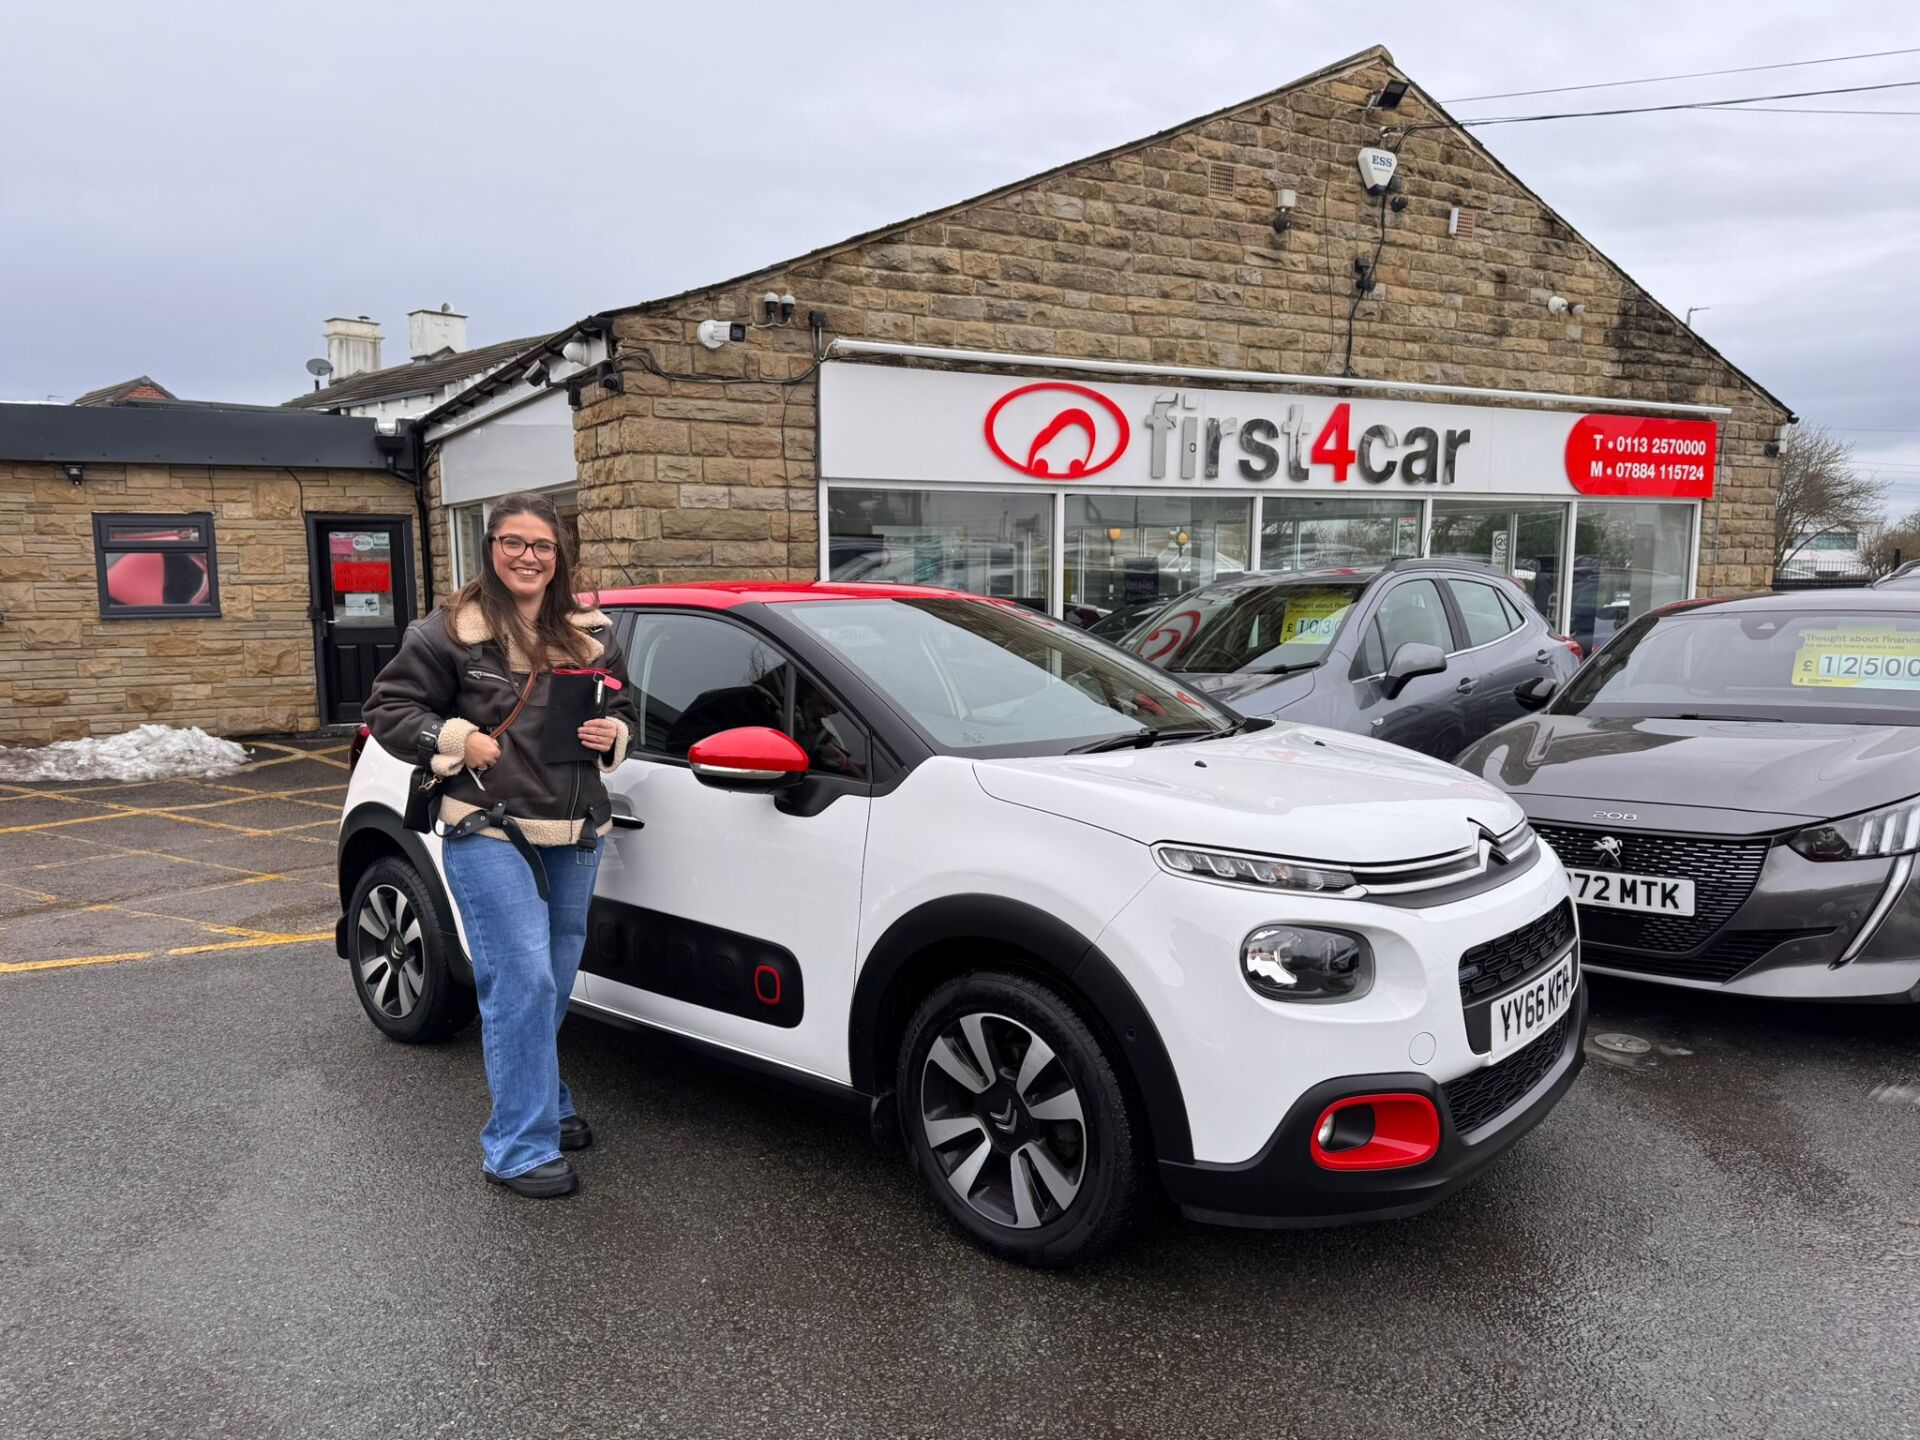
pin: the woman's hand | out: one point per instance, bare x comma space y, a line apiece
599, 734
482, 751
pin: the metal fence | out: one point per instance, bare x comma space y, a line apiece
1850, 581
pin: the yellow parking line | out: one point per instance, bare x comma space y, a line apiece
21, 966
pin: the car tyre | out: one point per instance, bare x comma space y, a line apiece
398, 958
1044, 1161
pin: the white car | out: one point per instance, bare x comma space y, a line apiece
1063, 925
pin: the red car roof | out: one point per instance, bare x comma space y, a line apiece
725, 594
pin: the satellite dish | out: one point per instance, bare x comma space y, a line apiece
319, 367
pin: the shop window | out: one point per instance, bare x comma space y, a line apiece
1629, 557
1524, 538
987, 544
1129, 553
151, 566
1301, 532
1487, 615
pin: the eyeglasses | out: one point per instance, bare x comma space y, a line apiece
514, 546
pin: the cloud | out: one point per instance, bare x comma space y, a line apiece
237, 172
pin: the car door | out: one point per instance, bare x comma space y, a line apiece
732, 917
1501, 651
1427, 714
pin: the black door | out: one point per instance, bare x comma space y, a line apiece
362, 567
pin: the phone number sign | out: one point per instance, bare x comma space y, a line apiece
1643, 458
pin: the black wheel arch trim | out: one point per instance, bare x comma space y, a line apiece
1061, 951
371, 815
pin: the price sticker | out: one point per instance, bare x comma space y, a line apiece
1864, 659
1313, 618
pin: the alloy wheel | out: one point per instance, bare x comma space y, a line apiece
391, 953
1003, 1120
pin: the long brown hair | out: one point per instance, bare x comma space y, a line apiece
551, 635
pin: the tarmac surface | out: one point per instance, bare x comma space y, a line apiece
235, 1210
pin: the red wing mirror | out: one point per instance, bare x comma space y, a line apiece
751, 758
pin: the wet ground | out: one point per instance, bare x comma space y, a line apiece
234, 1209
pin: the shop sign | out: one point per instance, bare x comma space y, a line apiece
892, 424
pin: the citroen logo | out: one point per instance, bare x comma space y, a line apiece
1002, 1119
1607, 850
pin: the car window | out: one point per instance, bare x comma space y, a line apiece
1515, 616
987, 678
1828, 667
1248, 627
835, 743
1481, 607
694, 676
1412, 614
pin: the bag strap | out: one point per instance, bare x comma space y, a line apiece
533, 678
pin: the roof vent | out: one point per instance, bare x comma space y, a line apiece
1223, 180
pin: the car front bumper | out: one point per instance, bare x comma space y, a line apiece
1282, 1187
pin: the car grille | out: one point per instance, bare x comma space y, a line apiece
1485, 1095
1719, 962
1495, 965
1723, 874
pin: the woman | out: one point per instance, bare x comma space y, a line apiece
468, 695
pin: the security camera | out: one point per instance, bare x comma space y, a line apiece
536, 374
769, 306
1376, 169
787, 304
575, 351
715, 333
1556, 304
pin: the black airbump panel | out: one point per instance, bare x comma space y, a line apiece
700, 964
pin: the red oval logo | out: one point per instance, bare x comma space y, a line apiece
1053, 435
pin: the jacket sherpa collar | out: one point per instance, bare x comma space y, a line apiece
468, 625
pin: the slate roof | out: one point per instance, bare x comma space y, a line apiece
416, 377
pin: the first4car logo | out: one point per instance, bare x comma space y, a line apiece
1056, 431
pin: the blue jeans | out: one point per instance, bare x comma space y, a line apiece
525, 954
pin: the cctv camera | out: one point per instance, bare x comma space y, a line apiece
536, 374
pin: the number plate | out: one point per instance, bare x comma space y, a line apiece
1522, 1015
1611, 890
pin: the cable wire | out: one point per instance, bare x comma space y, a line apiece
1693, 75
1737, 100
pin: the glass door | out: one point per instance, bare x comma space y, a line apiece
1128, 553
1303, 532
1630, 556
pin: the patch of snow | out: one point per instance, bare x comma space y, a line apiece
149, 752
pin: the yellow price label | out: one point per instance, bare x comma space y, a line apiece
1864, 658
1312, 617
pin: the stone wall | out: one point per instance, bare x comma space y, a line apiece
1160, 252
65, 672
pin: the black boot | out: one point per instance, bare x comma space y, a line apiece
575, 1133
543, 1182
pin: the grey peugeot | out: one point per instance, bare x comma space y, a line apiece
1734, 788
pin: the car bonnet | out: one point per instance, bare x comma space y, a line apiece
1292, 790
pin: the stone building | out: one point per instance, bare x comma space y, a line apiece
1208, 350
241, 569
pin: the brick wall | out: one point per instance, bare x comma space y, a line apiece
1161, 252
65, 672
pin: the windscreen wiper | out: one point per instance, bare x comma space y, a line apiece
1140, 739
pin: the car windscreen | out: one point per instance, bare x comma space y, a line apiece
995, 679
1829, 667
1248, 628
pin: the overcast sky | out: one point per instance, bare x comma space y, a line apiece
190, 190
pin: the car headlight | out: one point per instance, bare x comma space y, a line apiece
1302, 962
1260, 871
1891, 830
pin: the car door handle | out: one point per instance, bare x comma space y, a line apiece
1464, 686
1543, 657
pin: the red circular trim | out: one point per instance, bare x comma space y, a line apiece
1119, 419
